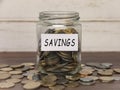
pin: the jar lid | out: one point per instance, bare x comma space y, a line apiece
51, 15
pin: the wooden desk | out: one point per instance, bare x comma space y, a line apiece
112, 57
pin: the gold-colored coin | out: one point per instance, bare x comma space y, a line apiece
32, 85
17, 76
73, 77
93, 77
13, 80
6, 85
108, 72
72, 84
3, 72
28, 64
48, 83
3, 65
32, 71
4, 75
117, 70
50, 77
106, 79
82, 65
6, 69
26, 81
17, 72
49, 80
86, 72
17, 66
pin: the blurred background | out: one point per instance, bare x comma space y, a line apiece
100, 21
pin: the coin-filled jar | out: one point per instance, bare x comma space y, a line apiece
59, 42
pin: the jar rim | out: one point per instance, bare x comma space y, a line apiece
50, 15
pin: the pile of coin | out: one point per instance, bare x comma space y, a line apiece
10, 75
59, 61
31, 79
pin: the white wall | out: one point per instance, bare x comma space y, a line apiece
100, 22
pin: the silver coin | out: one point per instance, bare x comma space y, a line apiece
108, 65
116, 78
92, 64
87, 83
86, 79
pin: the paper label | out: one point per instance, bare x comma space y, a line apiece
59, 42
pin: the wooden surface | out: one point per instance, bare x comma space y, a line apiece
113, 57
100, 23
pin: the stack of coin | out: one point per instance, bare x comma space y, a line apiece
87, 81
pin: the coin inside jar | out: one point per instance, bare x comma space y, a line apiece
72, 84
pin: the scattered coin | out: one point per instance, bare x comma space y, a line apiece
32, 85
6, 69
32, 71
100, 65
17, 72
117, 70
3, 72
92, 64
72, 84
4, 75
13, 80
28, 64
17, 76
17, 66
56, 80
108, 72
24, 81
48, 83
6, 84
116, 78
107, 65
87, 81
106, 79
57, 87
3, 65
93, 77
86, 72
26, 68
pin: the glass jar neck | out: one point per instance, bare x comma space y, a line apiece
59, 17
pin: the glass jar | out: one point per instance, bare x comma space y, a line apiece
59, 42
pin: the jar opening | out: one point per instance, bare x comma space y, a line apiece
51, 15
